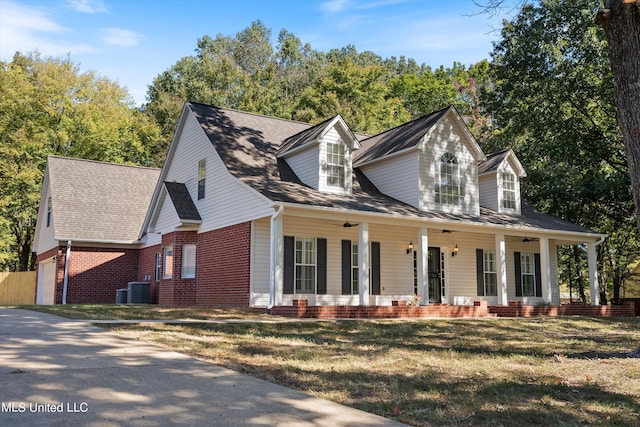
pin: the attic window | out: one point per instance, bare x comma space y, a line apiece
335, 164
508, 191
449, 181
202, 174
48, 211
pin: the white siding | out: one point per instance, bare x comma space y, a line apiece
44, 236
167, 219
306, 165
397, 177
260, 265
447, 137
227, 201
489, 191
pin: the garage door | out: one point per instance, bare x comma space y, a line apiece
46, 282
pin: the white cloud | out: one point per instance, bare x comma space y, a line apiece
26, 29
87, 6
334, 6
120, 37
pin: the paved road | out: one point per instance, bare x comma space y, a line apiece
60, 372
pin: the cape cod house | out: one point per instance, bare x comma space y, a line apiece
257, 211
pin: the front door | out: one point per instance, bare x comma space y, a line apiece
435, 276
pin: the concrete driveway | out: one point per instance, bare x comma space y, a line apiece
60, 372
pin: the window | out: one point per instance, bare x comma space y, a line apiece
528, 274
167, 262
158, 266
305, 265
354, 268
335, 164
508, 191
490, 274
449, 181
202, 173
188, 261
48, 211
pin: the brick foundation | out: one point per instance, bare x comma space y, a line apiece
516, 309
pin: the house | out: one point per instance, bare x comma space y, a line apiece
258, 211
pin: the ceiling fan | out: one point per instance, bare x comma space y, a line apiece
349, 225
528, 240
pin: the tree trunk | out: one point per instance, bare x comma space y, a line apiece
621, 22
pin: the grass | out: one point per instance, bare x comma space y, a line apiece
464, 372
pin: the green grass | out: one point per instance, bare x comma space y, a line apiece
467, 372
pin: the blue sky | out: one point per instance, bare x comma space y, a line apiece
132, 41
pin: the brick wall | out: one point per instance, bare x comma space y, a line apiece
95, 274
147, 268
223, 266
516, 309
177, 290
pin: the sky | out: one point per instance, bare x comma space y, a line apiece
132, 41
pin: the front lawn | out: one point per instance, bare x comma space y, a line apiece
470, 372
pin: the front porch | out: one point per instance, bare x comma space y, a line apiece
301, 309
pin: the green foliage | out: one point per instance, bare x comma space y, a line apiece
48, 107
552, 99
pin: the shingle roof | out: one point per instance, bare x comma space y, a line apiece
247, 143
493, 161
397, 139
182, 201
99, 201
301, 138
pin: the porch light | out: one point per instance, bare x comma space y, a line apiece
454, 251
410, 248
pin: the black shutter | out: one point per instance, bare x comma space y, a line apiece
516, 256
346, 267
480, 271
289, 256
536, 257
375, 268
321, 262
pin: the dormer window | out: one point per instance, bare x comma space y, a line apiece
335, 164
508, 191
450, 187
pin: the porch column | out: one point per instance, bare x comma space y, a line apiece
363, 263
501, 265
545, 270
276, 260
423, 265
594, 286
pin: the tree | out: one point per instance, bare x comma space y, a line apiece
552, 101
48, 107
621, 22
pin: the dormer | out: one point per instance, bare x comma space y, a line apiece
321, 156
429, 163
499, 178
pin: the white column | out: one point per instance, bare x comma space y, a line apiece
593, 273
545, 270
276, 261
363, 263
423, 265
501, 265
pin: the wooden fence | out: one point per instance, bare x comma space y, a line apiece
18, 288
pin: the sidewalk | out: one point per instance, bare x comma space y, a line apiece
60, 372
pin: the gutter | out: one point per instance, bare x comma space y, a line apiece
272, 260
66, 273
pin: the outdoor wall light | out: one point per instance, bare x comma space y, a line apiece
410, 248
454, 251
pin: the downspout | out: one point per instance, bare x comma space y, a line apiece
66, 273
272, 260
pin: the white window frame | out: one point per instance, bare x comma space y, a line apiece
450, 186
528, 272
167, 262
188, 261
508, 182
490, 273
49, 210
335, 160
158, 269
202, 178
355, 269
305, 261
